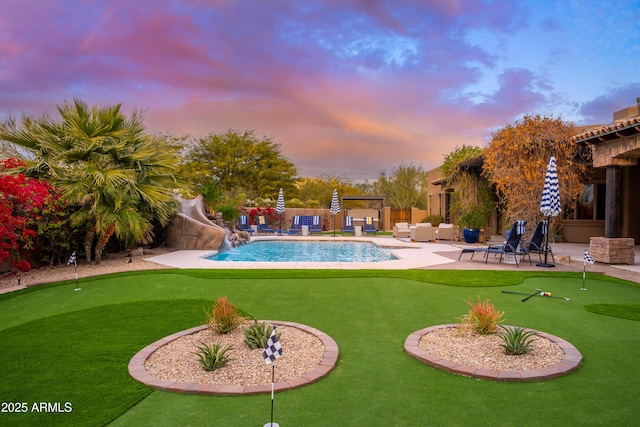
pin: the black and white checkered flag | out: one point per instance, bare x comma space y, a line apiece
273, 349
72, 258
588, 258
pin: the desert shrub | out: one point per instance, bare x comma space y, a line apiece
257, 334
435, 220
517, 340
224, 316
213, 357
482, 318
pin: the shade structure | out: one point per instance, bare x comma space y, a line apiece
550, 204
280, 207
334, 208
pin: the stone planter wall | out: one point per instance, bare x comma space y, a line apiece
612, 251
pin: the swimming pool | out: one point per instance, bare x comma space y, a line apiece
306, 251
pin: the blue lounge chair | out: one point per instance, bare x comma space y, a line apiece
296, 226
537, 244
243, 224
347, 226
511, 246
369, 226
263, 227
316, 225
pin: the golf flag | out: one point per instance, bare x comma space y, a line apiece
72, 258
272, 349
588, 258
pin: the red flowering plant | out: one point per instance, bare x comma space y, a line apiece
19, 199
270, 215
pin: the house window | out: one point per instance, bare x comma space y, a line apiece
590, 204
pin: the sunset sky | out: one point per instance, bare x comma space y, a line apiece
346, 87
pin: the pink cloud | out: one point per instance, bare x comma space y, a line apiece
351, 86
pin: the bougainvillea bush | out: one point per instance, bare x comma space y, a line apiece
270, 215
33, 218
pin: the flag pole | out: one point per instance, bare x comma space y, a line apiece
76, 268
273, 370
272, 350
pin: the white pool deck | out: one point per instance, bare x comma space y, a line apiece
411, 255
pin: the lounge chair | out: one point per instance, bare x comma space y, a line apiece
263, 227
511, 246
296, 226
401, 229
243, 224
422, 232
347, 226
369, 226
537, 244
316, 225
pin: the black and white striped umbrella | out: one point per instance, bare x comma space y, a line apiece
550, 205
334, 208
280, 207
335, 203
280, 203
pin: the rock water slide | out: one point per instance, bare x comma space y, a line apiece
190, 229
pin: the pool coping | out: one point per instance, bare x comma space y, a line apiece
327, 364
569, 363
409, 255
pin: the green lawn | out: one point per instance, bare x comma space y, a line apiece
65, 347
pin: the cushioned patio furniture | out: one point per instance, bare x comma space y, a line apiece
347, 226
296, 226
447, 232
316, 225
422, 232
369, 226
243, 224
401, 229
263, 227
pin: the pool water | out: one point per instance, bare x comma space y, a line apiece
305, 251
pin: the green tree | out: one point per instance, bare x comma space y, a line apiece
239, 162
105, 162
318, 191
405, 188
472, 199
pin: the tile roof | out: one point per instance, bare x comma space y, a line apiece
627, 127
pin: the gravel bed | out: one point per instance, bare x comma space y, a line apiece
301, 353
485, 352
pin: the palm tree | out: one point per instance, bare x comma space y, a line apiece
106, 163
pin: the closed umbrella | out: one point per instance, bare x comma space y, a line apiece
334, 209
280, 207
550, 205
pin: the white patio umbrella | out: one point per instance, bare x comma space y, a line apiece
550, 205
280, 207
334, 208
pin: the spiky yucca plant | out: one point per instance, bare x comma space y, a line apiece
257, 334
517, 340
213, 357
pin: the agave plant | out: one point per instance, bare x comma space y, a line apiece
517, 340
257, 334
213, 357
